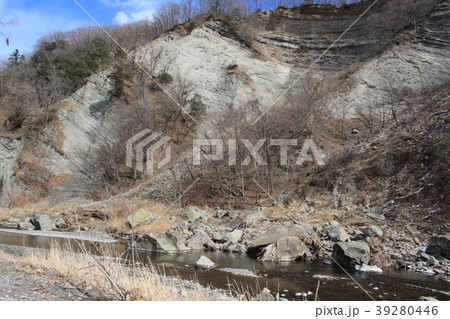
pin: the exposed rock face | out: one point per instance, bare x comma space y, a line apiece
286, 249
352, 253
253, 219
9, 152
439, 246
59, 223
271, 236
140, 217
234, 247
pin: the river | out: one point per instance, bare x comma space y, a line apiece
289, 279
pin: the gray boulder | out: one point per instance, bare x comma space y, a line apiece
12, 222
200, 241
337, 233
439, 246
140, 217
59, 223
271, 236
205, 262
234, 236
157, 242
42, 221
349, 254
372, 231
217, 237
286, 249
26, 224
194, 214
234, 247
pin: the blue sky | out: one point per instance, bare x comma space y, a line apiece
37, 18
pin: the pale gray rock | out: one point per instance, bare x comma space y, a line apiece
286, 249
42, 221
194, 214
205, 262
349, 254
337, 233
140, 217
367, 268
234, 236
277, 232
372, 231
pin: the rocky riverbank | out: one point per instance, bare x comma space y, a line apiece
368, 242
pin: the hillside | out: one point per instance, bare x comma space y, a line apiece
376, 103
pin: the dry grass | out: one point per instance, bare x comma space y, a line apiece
114, 280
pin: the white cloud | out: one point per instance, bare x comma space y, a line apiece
122, 18
132, 10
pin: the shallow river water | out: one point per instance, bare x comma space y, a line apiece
288, 279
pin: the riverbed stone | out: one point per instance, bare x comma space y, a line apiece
194, 214
301, 229
12, 222
205, 262
234, 236
349, 254
439, 246
372, 231
157, 242
42, 221
337, 233
200, 240
233, 247
59, 223
286, 249
140, 217
26, 224
367, 268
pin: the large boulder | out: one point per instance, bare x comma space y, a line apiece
234, 236
42, 221
234, 247
200, 241
439, 246
12, 222
140, 217
337, 233
194, 214
157, 242
301, 229
205, 262
286, 249
349, 254
26, 224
